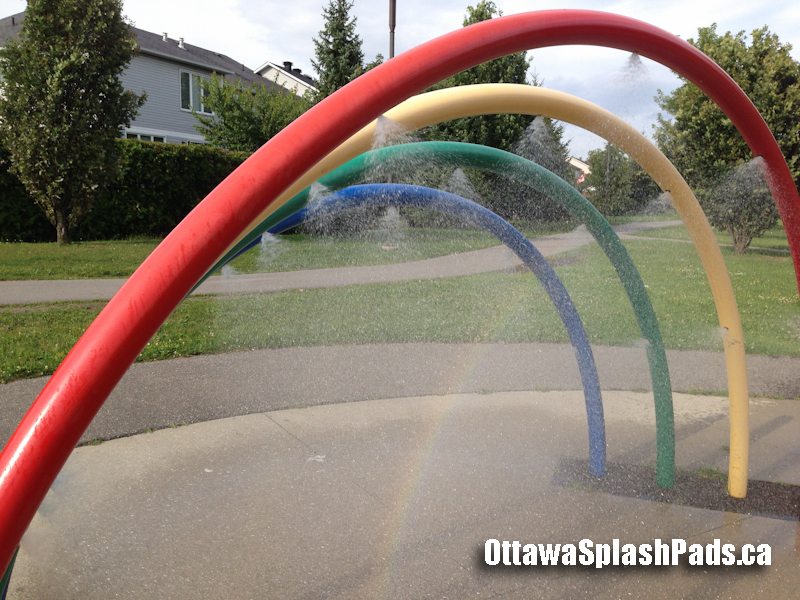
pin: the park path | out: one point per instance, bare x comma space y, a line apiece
216, 386
496, 258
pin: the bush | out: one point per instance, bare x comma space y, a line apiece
156, 187
742, 204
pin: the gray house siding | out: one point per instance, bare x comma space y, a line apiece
156, 70
161, 114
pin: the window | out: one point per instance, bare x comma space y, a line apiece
192, 92
144, 137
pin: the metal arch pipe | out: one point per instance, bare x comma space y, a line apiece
473, 213
544, 181
39, 447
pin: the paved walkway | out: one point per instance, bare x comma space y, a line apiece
497, 258
202, 388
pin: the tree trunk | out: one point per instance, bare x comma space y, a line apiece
741, 240
62, 229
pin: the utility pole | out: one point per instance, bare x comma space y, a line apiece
392, 22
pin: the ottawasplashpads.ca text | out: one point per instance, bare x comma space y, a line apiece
658, 553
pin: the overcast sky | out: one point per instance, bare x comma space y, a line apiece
254, 31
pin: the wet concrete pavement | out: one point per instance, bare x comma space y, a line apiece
395, 499
238, 383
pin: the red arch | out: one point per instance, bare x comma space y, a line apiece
53, 425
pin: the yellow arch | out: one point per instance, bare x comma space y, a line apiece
452, 103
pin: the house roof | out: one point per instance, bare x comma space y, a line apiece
580, 165
162, 47
289, 70
10, 27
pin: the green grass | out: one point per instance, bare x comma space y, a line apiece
290, 252
79, 260
772, 241
481, 308
120, 258
294, 252
298, 251
619, 220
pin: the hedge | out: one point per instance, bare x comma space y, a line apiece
154, 189
20, 219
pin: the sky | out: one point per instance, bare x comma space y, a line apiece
256, 31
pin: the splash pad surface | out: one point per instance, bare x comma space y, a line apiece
404, 492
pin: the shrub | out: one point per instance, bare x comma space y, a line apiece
20, 219
742, 204
156, 187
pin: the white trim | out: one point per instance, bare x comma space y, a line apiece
580, 165
188, 137
180, 91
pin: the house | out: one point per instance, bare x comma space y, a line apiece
288, 77
580, 169
169, 71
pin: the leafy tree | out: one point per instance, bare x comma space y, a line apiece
63, 105
339, 58
246, 116
617, 185
498, 131
702, 141
742, 204
643, 188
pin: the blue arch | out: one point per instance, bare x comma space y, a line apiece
377, 195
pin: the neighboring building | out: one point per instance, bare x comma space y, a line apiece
579, 168
288, 77
169, 71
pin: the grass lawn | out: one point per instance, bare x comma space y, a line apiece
298, 251
618, 220
488, 307
80, 260
293, 252
83, 260
772, 241
120, 258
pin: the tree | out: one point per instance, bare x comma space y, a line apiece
63, 105
616, 184
339, 58
498, 131
244, 116
742, 204
378, 60
506, 132
542, 143
702, 142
